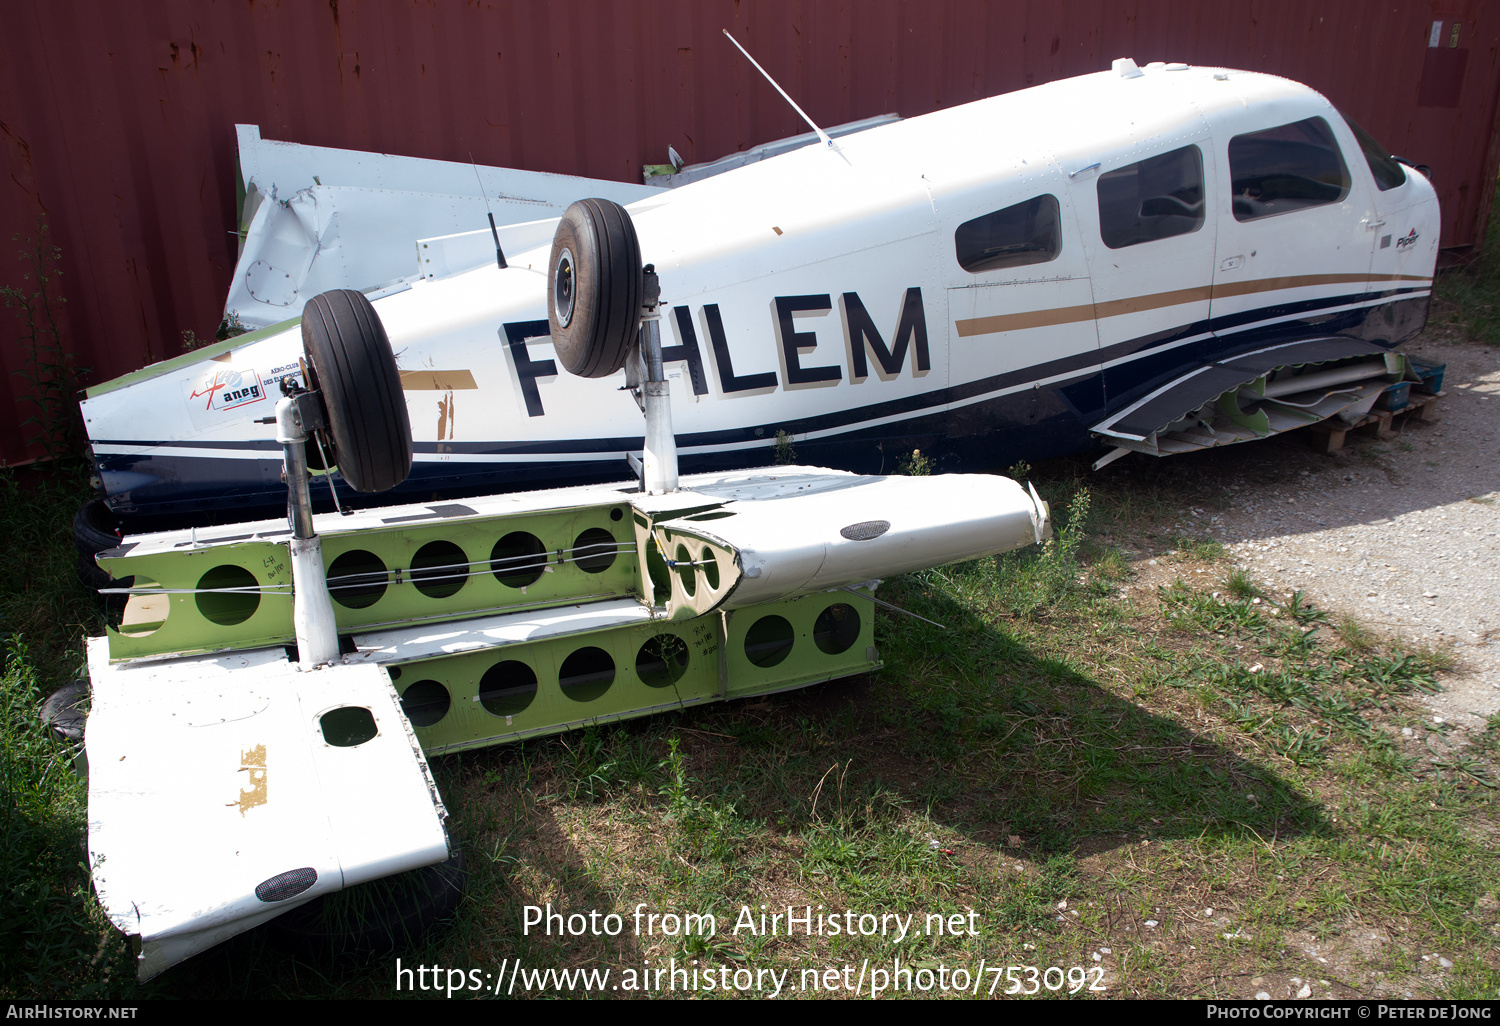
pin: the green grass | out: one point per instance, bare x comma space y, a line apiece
1469, 296
54, 941
1068, 763
53, 938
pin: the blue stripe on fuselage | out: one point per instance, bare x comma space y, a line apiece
982, 429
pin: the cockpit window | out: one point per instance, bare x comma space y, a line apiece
1387, 170
1156, 198
1290, 167
1027, 233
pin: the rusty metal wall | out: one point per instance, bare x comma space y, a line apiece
117, 117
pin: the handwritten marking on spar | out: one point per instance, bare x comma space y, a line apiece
784, 921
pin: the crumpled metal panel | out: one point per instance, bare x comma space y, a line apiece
1255, 395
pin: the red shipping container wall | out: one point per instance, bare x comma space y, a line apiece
117, 119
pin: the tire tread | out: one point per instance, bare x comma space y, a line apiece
607, 303
353, 366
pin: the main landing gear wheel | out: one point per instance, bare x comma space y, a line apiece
94, 531
594, 288
350, 361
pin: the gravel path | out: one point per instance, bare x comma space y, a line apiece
1402, 534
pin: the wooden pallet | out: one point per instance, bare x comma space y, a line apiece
1330, 435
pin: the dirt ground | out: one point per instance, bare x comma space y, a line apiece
1401, 533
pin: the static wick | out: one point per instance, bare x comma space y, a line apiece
821, 134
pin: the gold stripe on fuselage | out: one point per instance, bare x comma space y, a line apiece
1155, 301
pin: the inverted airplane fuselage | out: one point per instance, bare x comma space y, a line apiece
986, 283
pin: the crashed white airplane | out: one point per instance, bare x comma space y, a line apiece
267, 721
1155, 259
1199, 257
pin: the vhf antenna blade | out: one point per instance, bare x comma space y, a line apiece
499, 254
821, 134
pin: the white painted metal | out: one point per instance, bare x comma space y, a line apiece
312, 606
424, 641
1406, 244
805, 529
1317, 251
1005, 317
659, 459
222, 760
453, 254
873, 221
209, 776
1160, 285
320, 218
936, 519
697, 172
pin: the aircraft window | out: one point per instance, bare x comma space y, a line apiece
1290, 167
1027, 233
1387, 170
1157, 198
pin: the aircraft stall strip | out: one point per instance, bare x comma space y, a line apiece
461, 625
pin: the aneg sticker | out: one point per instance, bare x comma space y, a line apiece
226, 388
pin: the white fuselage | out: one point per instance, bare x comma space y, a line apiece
821, 293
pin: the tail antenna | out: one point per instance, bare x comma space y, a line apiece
827, 141
499, 253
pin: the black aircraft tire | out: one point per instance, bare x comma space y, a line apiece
378, 917
94, 529
60, 711
594, 288
351, 362
94, 532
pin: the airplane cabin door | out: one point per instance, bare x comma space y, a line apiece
1022, 349
1404, 235
1149, 232
1296, 233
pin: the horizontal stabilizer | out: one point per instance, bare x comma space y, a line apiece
317, 218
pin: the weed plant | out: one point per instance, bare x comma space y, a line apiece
1470, 295
916, 465
783, 453
54, 940
1026, 582
49, 369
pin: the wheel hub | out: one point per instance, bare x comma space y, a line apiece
562, 288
